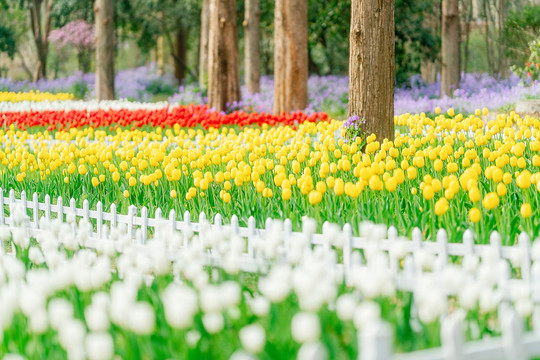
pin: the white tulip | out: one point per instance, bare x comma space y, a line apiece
305, 327
345, 307
365, 314
242, 355
96, 317
36, 256
253, 338
38, 322
141, 318
230, 294
60, 311
260, 306
210, 299
71, 334
99, 346
180, 304
213, 322
312, 351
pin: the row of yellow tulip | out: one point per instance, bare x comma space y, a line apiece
13, 97
449, 171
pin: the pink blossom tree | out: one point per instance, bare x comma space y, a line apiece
80, 35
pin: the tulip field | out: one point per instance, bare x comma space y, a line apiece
68, 293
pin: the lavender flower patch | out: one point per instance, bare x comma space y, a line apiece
138, 84
330, 94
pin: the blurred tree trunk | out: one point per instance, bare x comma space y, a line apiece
180, 53
252, 51
40, 34
467, 12
203, 52
290, 56
501, 21
223, 73
372, 66
83, 58
159, 55
450, 47
104, 14
432, 20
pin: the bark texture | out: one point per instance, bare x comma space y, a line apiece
203, 51
41, 27
180, 53
291, 62
450, 47
104, 14
223, 74
252, 51
371, 66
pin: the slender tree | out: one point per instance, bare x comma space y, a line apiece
252, 51
290, 56
41, 27
371, 66
450, 47
203, 52
180, 52
223, 74
432, 21
104, 14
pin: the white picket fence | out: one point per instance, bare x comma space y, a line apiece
375, 341
138, 228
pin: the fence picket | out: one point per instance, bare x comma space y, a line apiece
287, 232
144, 225
512, 335
218, 222
114, 216
2, 207
172, 220
47, 207
347, 251
99, 219
468, 242
60, 208
452, 337
251, 237
525, 247
375, 342
495, 242
35, 209
86, 210
131, 214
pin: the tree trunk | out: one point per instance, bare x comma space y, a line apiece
450, 47
180, 53
159, 55
252, 51
203, 49
468, 19
40, 35
501, 19
290, 56
223, 74
83, 57
104, 14
372, 66
428, 65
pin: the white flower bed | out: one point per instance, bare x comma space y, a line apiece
65, 292
89, 105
